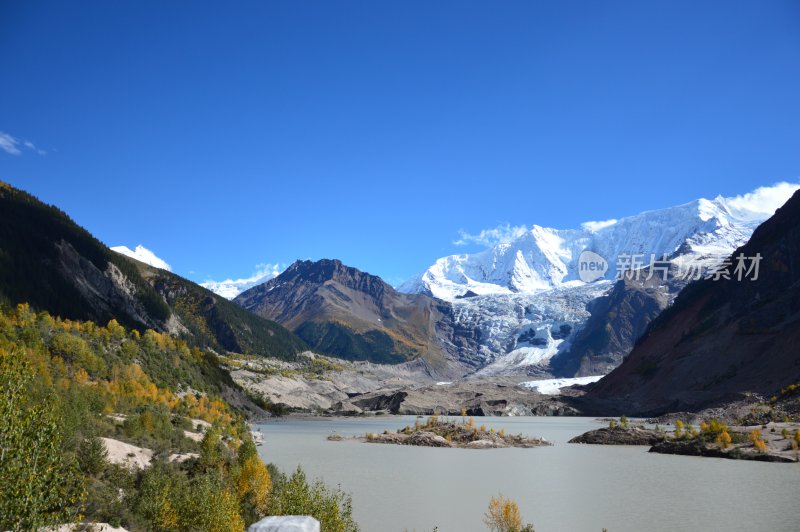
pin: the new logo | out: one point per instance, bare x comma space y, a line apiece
591, 266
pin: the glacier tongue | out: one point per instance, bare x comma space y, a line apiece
525, 330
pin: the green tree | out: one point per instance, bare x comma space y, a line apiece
161, 496
211, 449
92, 456
40, 485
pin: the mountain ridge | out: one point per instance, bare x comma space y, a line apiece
52, 263
351, 314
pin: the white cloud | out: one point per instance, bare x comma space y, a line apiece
142, 254
230, 288
501, 234
9, 144
596, 226
12, 145
764, 200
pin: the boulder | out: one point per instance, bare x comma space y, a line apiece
286, 523
427, 439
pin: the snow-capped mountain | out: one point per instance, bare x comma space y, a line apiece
530, 310
545, 258
142, 254
230, 288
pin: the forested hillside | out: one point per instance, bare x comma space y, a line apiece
72, 388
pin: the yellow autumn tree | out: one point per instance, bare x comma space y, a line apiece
723, 439
503, 515
254, 484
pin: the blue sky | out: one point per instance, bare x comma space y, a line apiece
226, 135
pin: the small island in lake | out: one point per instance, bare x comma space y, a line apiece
450, 433
771, 442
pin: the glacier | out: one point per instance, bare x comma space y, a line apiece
553, 386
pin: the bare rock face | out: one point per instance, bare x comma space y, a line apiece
108, 293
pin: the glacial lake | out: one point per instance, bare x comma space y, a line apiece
566, 487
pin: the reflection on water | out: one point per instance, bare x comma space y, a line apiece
565, 487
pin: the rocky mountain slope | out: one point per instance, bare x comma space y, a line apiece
616, 320
721, 338
341, 311
213, 321
50, 262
